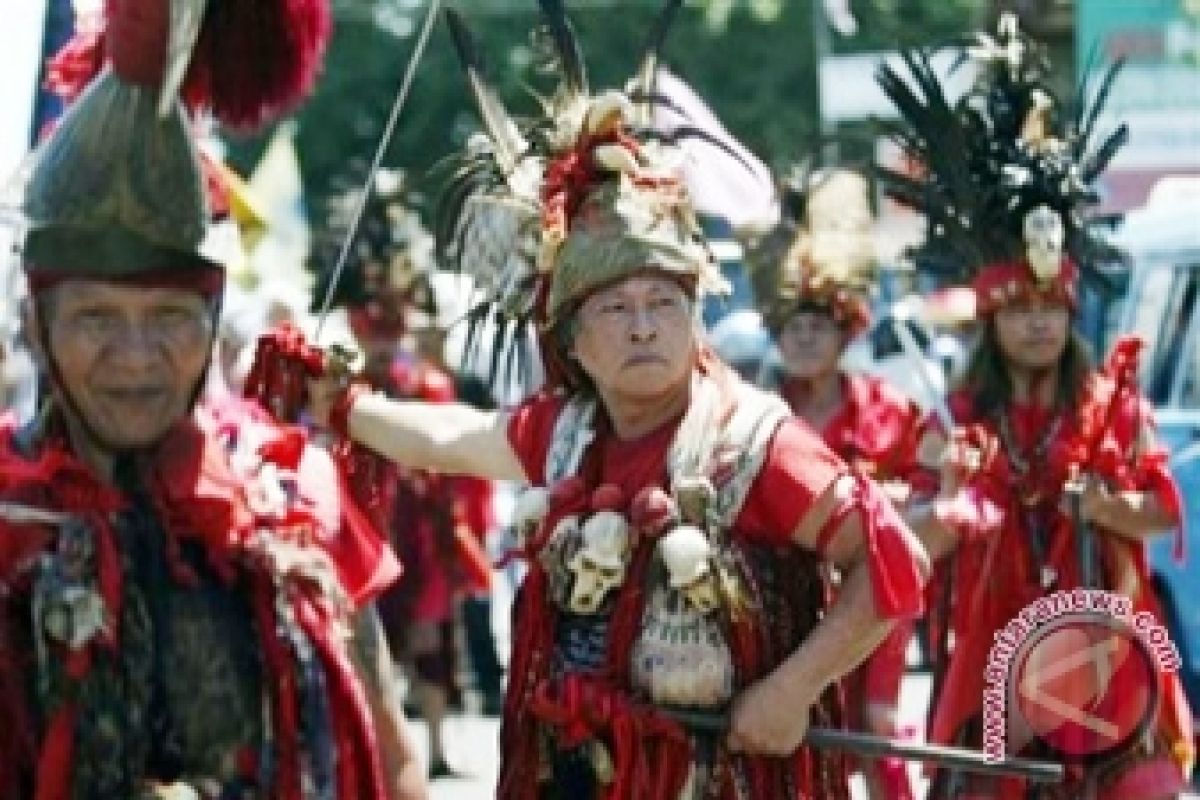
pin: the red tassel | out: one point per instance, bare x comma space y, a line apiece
285, 713
54, 765
257, 59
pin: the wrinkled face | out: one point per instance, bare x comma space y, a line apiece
1033, 334
810, 344
130, 358
636, 338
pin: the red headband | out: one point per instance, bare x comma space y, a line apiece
1002, 284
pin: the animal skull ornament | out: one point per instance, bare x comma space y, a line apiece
681, 657
685, 551
1045, 236
599, 565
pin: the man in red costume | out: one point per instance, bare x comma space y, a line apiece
389, 300
1036, 421
678, 518
811, 274
184, 593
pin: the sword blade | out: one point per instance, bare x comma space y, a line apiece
369, 184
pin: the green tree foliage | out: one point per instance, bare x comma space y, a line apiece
753, 61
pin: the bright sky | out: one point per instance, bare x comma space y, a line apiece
20, 46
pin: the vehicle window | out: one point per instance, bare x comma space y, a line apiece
1144, 319
1186, 389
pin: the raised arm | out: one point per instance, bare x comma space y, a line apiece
443, 437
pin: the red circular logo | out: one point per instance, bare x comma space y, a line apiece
1086, 686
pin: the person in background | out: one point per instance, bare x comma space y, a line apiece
431, 520
811, 276
678, 517
1048, 453
186, 605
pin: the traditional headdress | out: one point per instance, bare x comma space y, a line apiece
1006, 173
822, 252
387, 276
119, 191
544, 212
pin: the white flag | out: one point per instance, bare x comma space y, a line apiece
723, 177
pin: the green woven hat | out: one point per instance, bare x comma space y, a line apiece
620, 230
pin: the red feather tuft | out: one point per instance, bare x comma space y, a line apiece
257, 59
254, 62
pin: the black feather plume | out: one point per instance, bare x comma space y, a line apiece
566, 46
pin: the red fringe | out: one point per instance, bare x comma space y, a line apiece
533, 625
359, 769
54, 766
285, 713
626, 622
17, 734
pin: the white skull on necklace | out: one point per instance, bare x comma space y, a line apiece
599, 565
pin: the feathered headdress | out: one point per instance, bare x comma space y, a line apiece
542, 212
822, 252
1006, 173
119, 188
389, 269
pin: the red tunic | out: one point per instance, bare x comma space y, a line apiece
258, 552
797, 469
1002, 566
876, 430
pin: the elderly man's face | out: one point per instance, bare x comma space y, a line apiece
636, 338
130, 358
